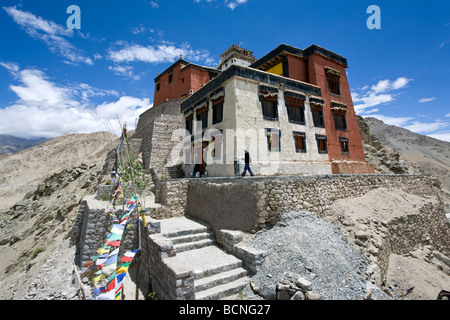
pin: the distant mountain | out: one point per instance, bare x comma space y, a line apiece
430, 155
10, 144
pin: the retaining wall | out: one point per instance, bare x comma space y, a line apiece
251, 204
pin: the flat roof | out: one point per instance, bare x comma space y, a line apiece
284, 48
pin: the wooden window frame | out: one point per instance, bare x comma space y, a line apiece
300, 136
217, 108
321, 141
343, 142
271, 134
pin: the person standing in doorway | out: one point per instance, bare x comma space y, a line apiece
247, 163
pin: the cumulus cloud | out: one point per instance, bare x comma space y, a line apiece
158, 54
378, 94
46, 109
51, 34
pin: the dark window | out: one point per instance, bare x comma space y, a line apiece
317, 114
273, 139
340, 122
269, 110
202, 115
344, 145
189, 123
170, 77
217, 110
333, 79
321, 143
268, 98
295, 109
182, 80
300, 142
157, 86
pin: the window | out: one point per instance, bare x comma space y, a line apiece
217, 110
157, 86
273, 139
269, 110
189, 123
317, 113
300, 142
202, 115
344, 145
333, 79
321, 143
295, 108
340, 122
339, 111
170, 77
268, 97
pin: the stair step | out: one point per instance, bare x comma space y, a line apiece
191, 237
224, 267
222, 291
185, 232
181, 247
219, 278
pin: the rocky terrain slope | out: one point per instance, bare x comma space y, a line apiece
428, 155
10, 144
42, 187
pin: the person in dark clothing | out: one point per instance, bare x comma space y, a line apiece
247, 163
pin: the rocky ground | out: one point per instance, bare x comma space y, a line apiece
306, 247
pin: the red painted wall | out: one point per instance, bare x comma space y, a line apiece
183, 80
317, 76
298, 68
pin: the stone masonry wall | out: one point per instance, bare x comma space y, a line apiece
170, 278
89, 232
262, 199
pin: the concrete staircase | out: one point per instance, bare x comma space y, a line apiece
217, 274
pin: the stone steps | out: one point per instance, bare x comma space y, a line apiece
217, 274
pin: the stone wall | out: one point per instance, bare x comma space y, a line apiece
251, 204
89, 232
170, 278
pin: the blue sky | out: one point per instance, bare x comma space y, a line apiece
54, 80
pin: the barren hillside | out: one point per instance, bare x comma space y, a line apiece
426, 153
21, 172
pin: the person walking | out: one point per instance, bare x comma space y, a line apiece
247, 163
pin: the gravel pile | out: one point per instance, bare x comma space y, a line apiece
302, 245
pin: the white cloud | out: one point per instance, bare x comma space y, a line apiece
52, 34
154, 4
47, 109
394, 121
158, 54
447, 115
426, 127
126, 71
423, 100
378, 94
232, 4
444, 136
